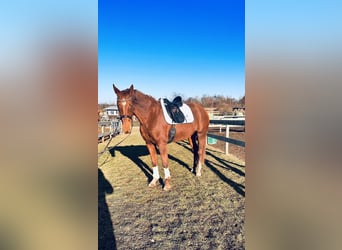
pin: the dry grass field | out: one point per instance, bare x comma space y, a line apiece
206, 212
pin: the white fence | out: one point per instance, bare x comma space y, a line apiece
228, 123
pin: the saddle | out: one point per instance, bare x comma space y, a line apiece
173, 109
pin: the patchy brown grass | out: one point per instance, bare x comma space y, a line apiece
204, 212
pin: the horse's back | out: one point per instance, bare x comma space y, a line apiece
201, 117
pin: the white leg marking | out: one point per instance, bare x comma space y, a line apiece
156, 173
167, 173
199, 168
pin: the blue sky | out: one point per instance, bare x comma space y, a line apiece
164, 47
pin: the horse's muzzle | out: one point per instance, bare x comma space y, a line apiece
127, 131
126, 125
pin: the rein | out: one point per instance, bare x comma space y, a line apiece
111, 137
125, 116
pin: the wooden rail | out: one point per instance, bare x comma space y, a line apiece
114, 129
232, 122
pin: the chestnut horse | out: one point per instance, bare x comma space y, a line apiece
155, 130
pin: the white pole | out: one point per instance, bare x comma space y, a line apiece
227, 136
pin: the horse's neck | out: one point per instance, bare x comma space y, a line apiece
143, 107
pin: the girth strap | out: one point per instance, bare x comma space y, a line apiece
172, 133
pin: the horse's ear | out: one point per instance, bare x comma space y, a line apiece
131, 89
116, 90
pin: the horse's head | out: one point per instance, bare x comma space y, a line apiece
125, 106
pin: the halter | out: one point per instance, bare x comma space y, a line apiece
125, 116
123, 100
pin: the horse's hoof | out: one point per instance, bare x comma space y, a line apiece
153, 183
167, 186
198, 174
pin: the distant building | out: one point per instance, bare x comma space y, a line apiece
111, 112
239, 111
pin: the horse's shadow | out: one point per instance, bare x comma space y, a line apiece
221, 163
134, 152
224, 163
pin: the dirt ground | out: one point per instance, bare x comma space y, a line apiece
206, 212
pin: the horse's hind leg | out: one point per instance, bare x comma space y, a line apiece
195, 151
201, 152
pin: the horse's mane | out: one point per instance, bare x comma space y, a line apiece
142, 99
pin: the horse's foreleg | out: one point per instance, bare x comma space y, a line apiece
164, 157
153, 153
191, 143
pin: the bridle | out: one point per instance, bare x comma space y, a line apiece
125, 116
123, 100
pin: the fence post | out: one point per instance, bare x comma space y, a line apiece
227, 136
111, 130
102, 131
